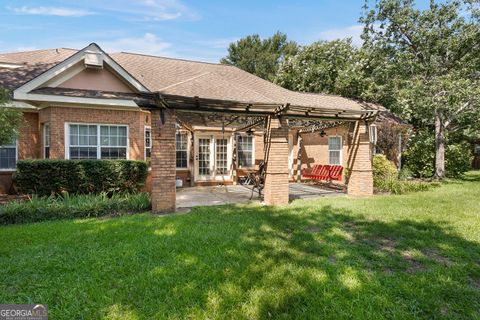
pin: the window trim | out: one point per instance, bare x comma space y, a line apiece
373, 136
144, 138
341, 150
16, 159
188, 151
44, 136
253, 150
98, 146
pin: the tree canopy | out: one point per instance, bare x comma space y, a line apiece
10, 119
430, 64
260, 56
334, 67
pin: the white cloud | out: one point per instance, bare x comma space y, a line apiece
148, 44
145, 10
354, 32
52, 11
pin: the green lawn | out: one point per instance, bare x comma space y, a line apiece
401, 257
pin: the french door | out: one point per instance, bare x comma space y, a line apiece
213, 157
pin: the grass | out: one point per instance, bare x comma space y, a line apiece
394, 257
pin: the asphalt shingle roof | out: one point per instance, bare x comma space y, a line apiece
179, 77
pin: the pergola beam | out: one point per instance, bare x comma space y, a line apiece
207, 105
251, 125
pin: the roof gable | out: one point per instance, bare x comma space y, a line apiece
96, 79
90, 56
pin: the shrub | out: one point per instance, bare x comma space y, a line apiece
405, 174
420, 156
458, 159
385, 178
383, 169
50, 177
73, 206
401, 187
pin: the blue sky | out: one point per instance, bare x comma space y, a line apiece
199, 30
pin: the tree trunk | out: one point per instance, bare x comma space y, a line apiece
439, 146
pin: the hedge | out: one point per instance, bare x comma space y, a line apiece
51, 177
73, 206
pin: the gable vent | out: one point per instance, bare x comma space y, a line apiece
93, 60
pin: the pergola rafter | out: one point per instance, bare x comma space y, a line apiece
239, 108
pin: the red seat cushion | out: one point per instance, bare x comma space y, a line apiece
324, 172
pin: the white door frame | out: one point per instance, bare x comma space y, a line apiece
213, 138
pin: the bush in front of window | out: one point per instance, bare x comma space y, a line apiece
56, 177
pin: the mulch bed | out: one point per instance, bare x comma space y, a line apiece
5, 198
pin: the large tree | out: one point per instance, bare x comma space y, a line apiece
260, 56
334, 67
430, 64
10, 119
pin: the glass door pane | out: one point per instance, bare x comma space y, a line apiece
221, 156
204, 156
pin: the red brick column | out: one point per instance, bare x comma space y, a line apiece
276, 178
360, 182
163, 162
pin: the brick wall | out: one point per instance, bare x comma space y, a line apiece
5, 181
276, 178
360, 182
58, 116
163, 162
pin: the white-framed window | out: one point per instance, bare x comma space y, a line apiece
245, 151
46, 141
8, 156
335, 150
182, 150
97, 141
148, 142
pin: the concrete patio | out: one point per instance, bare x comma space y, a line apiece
218, 195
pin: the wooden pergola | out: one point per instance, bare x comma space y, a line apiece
275, 118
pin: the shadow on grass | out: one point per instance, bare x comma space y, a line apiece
255, 262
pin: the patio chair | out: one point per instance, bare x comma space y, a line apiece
258, 179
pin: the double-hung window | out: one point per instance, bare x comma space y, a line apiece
245, 151
8, 156
335, 150
113, 142
91, 141
46, 141
182, 150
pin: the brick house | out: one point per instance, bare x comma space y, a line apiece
83, 104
